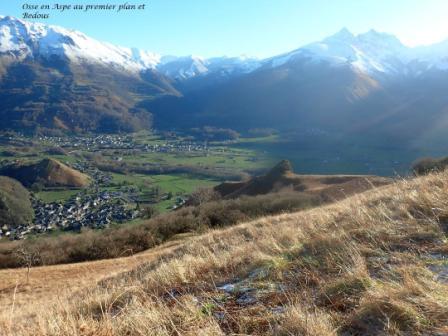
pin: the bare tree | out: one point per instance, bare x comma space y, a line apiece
28, 259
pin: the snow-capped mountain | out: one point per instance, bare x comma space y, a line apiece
21, 39
345, 84
433, 56
373, 53
232, 65
181, 68
55, 78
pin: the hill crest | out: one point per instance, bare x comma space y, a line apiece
49, 172
282, 177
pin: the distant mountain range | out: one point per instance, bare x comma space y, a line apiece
21, 40
371, 84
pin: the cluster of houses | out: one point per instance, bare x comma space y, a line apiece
91, 210
103, 141
99, 177
18, 232
124, 142
94, 211
175, 147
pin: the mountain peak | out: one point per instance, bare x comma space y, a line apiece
372, 31
282, 168
13, 21
370, 52
374, 35
343, 34
8, 18
31, 39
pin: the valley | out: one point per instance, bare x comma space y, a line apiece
106, 196
136, 176
375, 88
128, 172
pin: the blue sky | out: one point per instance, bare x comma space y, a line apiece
259, 28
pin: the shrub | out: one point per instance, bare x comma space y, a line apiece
428, 165
148, 212
344, 294
383, 316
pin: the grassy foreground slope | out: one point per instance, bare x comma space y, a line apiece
372, 264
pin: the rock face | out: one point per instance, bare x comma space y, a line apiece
48, 172
15, 205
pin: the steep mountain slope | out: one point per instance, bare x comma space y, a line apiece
368, 88
286, 96
59, 79
54, 78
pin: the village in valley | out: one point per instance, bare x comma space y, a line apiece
131, 177
123, 142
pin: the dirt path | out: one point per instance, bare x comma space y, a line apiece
50, 283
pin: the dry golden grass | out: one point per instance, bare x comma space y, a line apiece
50, 284
367, 265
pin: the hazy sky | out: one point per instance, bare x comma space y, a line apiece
259, 28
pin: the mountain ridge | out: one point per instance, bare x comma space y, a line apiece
365, 51
371, 83
282, 177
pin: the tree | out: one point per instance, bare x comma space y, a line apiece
148, 212
37, 187
203, 195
